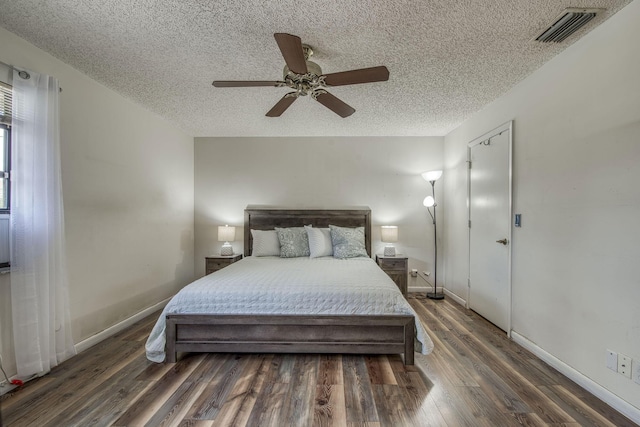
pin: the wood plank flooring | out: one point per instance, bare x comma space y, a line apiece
474, 377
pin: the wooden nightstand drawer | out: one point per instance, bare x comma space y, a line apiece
216, 264
393, 263
219, 262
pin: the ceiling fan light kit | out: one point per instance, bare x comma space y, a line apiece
305, 78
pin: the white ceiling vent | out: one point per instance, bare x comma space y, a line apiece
569, 21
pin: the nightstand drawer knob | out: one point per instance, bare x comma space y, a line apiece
397, 263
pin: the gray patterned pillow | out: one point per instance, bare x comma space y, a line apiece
293, 242
348, 242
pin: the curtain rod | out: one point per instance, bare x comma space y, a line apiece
22, 73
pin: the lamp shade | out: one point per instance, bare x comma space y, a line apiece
432, 175
429, 201
226, 233
389, 233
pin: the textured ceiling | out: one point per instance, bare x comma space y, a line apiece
447, 58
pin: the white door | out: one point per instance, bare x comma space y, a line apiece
490, 226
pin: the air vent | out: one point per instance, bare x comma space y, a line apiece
569, 21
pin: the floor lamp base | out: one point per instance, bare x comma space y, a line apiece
433, 295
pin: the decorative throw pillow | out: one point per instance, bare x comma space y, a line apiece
348, 242
265, 243
293, 242
319, 241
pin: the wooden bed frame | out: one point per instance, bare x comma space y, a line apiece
361, 334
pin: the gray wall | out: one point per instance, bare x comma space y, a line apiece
382, 173
127, 178
575, 289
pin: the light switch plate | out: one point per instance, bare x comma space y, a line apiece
612, 360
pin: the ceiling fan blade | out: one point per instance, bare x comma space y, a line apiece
363, 75
291, 48
335, 104
281, 106
238, 83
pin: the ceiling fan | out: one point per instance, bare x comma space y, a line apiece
306, 78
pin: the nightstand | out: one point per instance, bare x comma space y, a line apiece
215, 263
397, 267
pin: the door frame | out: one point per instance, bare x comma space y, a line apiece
506, 127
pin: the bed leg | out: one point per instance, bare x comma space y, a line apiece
170, 341
408, 358
409, 333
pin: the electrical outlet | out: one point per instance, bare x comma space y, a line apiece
414, 272
624, 365
612, 360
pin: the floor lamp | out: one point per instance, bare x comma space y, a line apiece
430, 202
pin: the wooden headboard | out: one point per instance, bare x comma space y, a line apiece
267, 218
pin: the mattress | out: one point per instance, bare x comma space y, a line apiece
290, 286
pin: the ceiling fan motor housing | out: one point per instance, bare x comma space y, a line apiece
312, 68
304, 83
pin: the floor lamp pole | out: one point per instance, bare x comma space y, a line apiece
435, 294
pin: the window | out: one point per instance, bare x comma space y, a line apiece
5, 168
6, 96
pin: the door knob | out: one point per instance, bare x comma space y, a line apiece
503, 241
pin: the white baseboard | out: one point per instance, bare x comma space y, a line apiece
456, 298
95, 339
426, 285
620, 405
101, 336
6, 388
448, 293
420, 289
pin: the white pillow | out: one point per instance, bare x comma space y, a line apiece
265, 243
319, 241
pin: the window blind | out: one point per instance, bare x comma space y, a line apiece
6, 98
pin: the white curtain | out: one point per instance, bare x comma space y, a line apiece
39, 297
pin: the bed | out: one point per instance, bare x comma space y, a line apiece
320, 305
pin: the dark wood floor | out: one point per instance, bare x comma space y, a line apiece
475, 377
